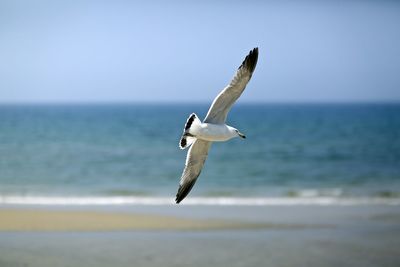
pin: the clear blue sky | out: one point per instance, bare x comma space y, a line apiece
89, 51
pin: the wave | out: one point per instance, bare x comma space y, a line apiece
210, 201
312, 193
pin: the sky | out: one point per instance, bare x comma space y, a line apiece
187, 51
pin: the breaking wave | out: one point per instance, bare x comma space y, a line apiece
211, 201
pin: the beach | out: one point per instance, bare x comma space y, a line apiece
69, 220
140, 235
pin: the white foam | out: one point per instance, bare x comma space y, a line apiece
326, 192
217, 201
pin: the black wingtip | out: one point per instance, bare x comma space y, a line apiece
177, 200
190, 121
183, 143
184, 190
250, 61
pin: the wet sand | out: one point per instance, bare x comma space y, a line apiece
201, 236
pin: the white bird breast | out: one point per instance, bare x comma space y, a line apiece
213, 132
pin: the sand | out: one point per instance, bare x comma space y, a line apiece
53, 220
150, 236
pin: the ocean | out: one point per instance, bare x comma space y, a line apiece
129, 154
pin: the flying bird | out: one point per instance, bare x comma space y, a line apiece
199, 135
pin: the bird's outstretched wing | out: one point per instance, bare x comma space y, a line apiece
195, 159
223, 102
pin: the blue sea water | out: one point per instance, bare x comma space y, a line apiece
291, 150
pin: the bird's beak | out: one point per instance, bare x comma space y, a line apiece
242, 135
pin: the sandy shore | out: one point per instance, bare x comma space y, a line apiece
150, 236
67, 220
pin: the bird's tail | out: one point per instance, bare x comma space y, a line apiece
187, 137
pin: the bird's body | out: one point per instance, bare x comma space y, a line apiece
199, 135
213, 132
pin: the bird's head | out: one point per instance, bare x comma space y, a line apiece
240, 134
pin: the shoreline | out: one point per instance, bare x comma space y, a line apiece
196, 201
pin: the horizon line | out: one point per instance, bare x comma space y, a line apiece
289, 102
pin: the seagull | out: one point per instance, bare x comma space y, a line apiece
199, 135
